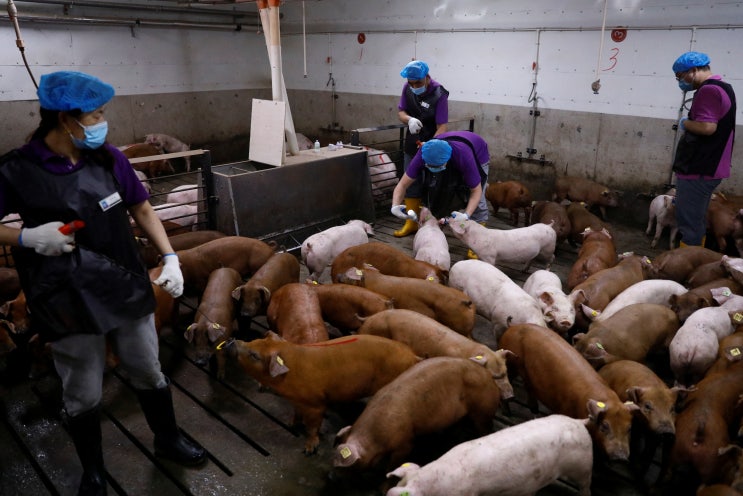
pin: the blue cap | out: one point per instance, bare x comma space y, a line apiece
415, 70
436, 152
68, 90
690, 60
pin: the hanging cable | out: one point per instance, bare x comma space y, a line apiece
596, 85
13, 14
304, 39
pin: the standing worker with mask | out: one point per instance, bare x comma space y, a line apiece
424, 107
86, 286
452, 171
704, 152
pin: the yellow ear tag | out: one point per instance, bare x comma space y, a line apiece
647, 260
430, 278
358, 272
629, 403
215, 325
315, 283
735, 351
221, 345
601, 404
599, 346
738, 317
479, 357
345, 452
406, 464
726, 292
627, 254
279, 360
594, 313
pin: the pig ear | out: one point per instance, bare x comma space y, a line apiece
189, 332
215, 332
237, 293
345, 456
479, 359
5, 308
589, 312
736, 318
266, 293
546, 298
341, 435
276, 366
734, 450
401, 472
634, 394
578, 338
273, 336
596, 409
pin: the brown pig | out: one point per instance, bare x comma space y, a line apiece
151, 257
700, 297
166, 307
548, 212
6, 342
580, 218
678, 264
214, 317
706, 273
630, 334
702, 429
388, 260
428, 338
245, 255
16, 313
10, 284
657, 404
729, 352
600, 288
153, 168
427, 398
346, 307
717, 490
312, 376
295, 314
721, 214
580, 189
511, 195
558, 376
450, 306
597, 252
255, 295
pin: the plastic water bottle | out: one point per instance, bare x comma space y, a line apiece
317, 146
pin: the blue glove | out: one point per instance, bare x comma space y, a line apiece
460, 216
681, 123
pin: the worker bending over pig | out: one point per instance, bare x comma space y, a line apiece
83, 287
452, 171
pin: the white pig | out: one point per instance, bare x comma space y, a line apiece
520, 245
169, 144
694, 348
662, 212
734, 266
495, 295
546, 288
726, 299
649, 291
143, 179
319, 250
186, 193
184, 215
430, 244
382, 171
518, 460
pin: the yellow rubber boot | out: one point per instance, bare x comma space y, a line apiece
410, 226
684, 245
471, 254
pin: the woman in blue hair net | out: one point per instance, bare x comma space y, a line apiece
424, 107
452, 170
704, 152
83, 287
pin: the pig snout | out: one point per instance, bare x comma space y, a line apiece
506, 389
666, 428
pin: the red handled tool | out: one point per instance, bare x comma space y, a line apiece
71, 227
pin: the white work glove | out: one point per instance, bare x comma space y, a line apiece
171, 278
681, 123
47, 240
400, 212
460, 216
414, 125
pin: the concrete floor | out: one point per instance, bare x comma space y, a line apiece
252, 449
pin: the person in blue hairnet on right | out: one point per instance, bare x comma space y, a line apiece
424, 107
704, 152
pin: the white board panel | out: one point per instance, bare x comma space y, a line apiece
267, 132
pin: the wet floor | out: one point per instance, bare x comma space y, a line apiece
252, 449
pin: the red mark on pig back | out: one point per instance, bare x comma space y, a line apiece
334, 342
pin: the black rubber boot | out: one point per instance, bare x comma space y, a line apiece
85, 430
157, 405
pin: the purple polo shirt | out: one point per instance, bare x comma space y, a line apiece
442, 105
710, 104
461, 157
131, 190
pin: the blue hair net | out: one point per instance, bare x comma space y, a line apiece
415, 70
436, 152
68, 90
690, 60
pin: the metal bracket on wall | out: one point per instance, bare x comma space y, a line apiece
519, 157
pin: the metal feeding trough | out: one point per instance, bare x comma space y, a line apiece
314, 188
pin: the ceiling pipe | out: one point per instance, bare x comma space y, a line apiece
142, 7
131, 22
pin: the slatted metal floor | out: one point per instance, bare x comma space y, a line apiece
252, 449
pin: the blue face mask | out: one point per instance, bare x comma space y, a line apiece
686, 86
435, 169
95, 136
418, 91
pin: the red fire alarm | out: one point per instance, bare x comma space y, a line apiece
361, 38
618, 35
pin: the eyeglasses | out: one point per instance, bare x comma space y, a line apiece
681, 75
